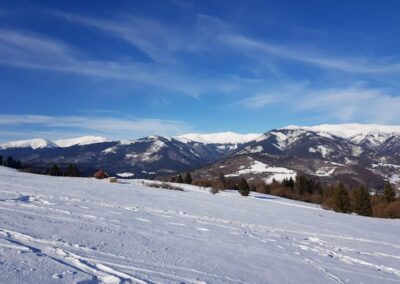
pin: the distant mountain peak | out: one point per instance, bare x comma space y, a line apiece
40, 143
37, 143
348, 130
219, 138
84, 140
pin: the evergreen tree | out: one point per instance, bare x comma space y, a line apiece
243, 187
318, 188
301, 184
310, 185
1, 160
9, 162
341, 200
55, 171
173, 179
188, 178
18, 165
388, 193
291, 183
285, 182
179, 179
72, 171
362, 202
222, 180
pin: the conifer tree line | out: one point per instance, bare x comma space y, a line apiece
336, 197
10, 162
187, 178
71, 171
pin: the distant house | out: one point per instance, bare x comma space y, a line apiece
100, 174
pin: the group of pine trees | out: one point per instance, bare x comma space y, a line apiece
187, 178
10, 162
71, 171
338, 197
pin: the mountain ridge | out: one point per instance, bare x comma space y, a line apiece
358, 157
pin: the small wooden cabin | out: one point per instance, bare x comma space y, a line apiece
100, 174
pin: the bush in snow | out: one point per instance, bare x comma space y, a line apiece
188, 178
214, 190
179, 179
163, 185
243, 187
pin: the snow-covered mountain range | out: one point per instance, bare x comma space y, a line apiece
40, 143
352, 153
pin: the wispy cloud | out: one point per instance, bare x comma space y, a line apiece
356, 65
27, 50
161, 41
111, 127
342, 104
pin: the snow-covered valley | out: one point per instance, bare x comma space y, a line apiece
82, 230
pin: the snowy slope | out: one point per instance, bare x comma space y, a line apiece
219, 138
68, 230
37, 143
84, 140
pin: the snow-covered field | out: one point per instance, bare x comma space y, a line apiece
80, 230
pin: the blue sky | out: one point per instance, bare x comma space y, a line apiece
127, 69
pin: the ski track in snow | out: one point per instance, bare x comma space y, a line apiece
329, 256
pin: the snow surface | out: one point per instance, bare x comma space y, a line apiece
82, 230
84, 140
37, 143
218, 138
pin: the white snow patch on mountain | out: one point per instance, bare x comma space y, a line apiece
257, 167
280, 177
252, 150
84, 140
111, 150
320, 149
218, 138
127, 142
325, 171
386, 165
37, 143
372, 138
126, 175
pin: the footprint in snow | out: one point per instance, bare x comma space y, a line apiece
177, 224
142, 219
202, 229
57, 276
